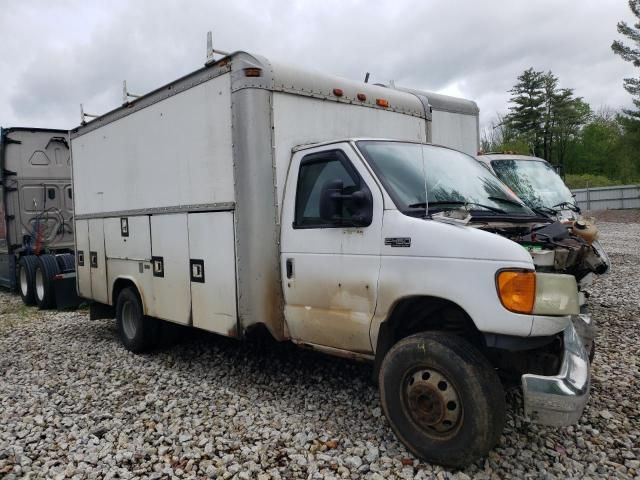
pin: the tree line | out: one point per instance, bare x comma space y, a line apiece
596, 147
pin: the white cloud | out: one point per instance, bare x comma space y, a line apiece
56, 55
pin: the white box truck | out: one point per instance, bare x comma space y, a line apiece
36, 216
245, 195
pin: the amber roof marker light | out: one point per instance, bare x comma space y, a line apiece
252, 72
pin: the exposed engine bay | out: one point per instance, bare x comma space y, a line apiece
570, 248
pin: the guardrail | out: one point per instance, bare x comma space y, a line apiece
608, 198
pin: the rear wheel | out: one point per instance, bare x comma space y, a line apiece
46, 269
137, 332
442, 398
26, 276
66, 262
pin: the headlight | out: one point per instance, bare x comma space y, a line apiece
517, 290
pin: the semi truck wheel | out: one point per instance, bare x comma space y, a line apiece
46, 269
26, 275
66, 262
442, 398
137, 331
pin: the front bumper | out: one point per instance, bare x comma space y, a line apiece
559, 400
586, 328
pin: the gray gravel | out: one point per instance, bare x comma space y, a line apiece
74, 404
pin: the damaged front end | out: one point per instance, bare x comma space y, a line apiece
568, 248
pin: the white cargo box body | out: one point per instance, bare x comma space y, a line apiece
179, 193
455, 122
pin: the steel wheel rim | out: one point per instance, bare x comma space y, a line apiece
129, 319
24, 283
432, 402
39, 284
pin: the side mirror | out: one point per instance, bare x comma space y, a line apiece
334, 204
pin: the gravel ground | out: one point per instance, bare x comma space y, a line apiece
73, 403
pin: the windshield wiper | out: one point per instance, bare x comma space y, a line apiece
571, 206
455, 202
506, 200
544, 210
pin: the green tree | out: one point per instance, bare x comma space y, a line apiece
569, 114
542, 115
526, 112
631, 54
598, 148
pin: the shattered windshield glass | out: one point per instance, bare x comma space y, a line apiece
426, 178
534, 181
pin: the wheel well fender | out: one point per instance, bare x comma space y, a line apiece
120, 284
415, 314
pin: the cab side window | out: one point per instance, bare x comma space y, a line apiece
315, 171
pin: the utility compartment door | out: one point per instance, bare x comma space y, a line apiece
212, 272
97, 261
170, 268
127, 238
83, 270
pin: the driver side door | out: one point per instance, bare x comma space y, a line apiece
329, 269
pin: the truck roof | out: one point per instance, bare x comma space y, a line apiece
32, 129
254, 71
443, 103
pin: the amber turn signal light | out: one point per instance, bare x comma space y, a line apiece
381, 102
517, 290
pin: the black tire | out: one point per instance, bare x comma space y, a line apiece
137, 332
66, 262
25, 276
442, 398
592, 351
44, 290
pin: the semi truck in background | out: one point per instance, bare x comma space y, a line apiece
254, 195
36, 215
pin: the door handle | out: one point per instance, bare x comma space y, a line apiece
289, 266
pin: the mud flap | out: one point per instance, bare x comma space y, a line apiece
65, 292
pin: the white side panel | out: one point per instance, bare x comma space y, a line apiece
127, 238
175, 152
96, 259
213, 274
302, 120
170, 250
83, 271
455, 130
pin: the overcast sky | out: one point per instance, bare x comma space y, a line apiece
55, 55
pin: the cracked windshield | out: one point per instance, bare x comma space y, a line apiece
423, 178
535, 182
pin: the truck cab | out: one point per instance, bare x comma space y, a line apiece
388, 252
36, 215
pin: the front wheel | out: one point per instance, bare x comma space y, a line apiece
442, 398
